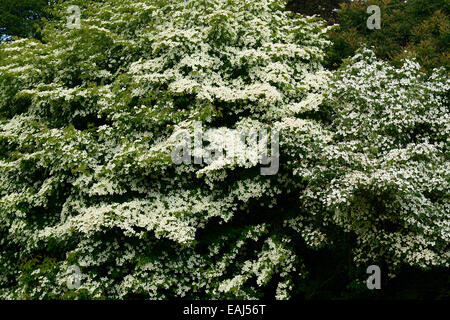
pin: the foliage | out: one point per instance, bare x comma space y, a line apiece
325, 8
88, 120
21, 17
418, 28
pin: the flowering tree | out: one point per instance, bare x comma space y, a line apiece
87, 177
90, 119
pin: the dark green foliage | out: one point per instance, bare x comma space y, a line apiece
416, 28
413, 28
325, 8
22, 17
